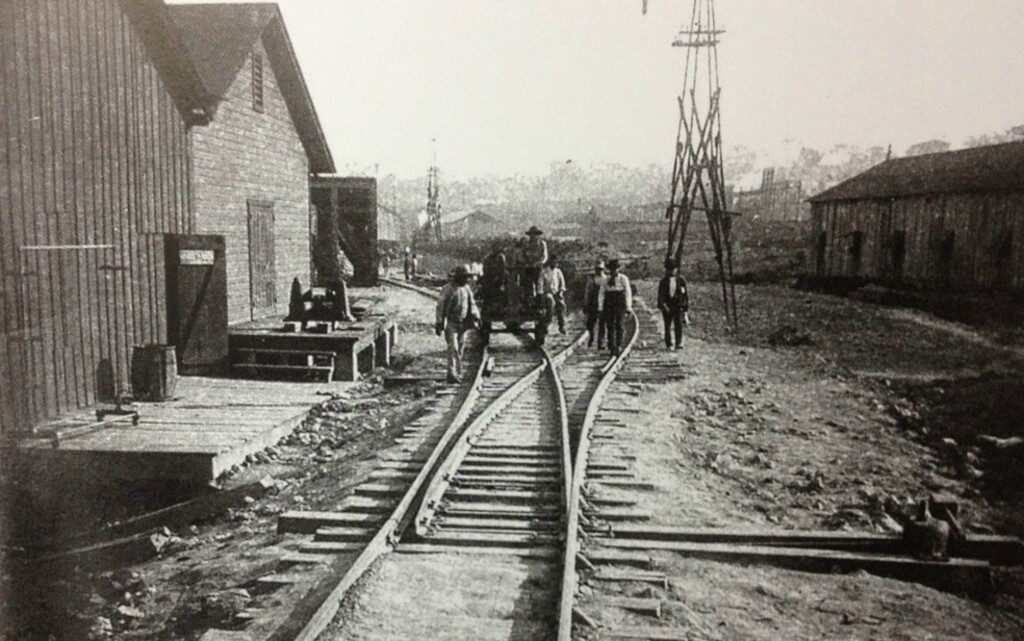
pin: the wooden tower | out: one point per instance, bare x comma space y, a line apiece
698, 179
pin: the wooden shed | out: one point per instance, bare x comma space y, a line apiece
96, 102
945, 220
124, 123
251, 163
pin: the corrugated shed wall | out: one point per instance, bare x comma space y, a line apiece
93, 171
960, 240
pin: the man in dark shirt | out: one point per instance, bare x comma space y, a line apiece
590, 307
674, 303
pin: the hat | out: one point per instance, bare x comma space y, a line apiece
670, 264
613, 263
460, 270
534, 231
599, 265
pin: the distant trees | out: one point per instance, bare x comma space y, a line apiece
929, 147
570, 187
1010, 135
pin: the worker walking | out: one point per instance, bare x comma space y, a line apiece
535, 255
407, 263
553, 284
590, 306
456, 313
615, 300
493, 282
674, 303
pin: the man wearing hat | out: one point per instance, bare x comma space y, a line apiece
535, 254
674, 303
553, 285
614, 300
590, 307
456, 313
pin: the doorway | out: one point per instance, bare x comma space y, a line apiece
262, 269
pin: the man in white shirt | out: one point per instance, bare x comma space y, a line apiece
615, 300
456, 313
553, 284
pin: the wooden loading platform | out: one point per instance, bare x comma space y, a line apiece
211, 425
263, 349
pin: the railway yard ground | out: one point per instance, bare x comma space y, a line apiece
811, 416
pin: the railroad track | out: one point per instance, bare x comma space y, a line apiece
487, 472
499, 481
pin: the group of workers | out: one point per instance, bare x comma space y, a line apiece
608, 298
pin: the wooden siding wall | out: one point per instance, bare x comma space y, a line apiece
245, 155
978, 223
93, 152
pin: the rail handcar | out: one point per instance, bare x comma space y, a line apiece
513, 304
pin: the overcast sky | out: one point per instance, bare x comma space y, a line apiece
509, 86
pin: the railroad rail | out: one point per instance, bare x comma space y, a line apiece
500, 476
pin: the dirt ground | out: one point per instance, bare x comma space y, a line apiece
206, 572
811, 416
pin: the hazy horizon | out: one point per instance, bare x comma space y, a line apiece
508, 88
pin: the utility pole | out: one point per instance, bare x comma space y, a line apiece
698, 178
433, 206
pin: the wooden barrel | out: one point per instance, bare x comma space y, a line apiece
154, 372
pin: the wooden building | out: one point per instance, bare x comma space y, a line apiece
471, 224
774, 200
952, 219
345, 209
251, 163
105, 123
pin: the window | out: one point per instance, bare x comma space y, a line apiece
257, 82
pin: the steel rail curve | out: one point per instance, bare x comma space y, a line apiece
572, 547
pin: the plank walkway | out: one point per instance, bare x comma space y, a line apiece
211, 425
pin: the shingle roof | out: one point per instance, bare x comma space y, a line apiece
219, 38
993, 168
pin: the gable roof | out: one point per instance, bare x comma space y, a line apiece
992, 168
162, 41
219, 37
456, 216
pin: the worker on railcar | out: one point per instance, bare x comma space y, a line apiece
614, 301
456, 314
492, 285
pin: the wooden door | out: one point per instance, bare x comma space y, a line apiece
262, 272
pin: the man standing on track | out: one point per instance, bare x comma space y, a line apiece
553, 284
456, 313
674, 303
615, 300
590, 307
407, 263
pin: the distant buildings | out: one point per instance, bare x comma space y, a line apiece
774, 200
952, 219
471, 224
623, 226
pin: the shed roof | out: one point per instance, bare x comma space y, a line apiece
219, 37
992, 168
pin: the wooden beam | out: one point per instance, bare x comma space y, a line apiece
955, 575
1000, 550
173, 517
